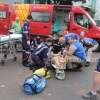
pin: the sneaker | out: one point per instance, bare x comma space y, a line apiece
60, 75
89, 96
28, 65
87, 64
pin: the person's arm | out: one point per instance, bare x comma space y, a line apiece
41, 49
71, 50
13, 25
26, 30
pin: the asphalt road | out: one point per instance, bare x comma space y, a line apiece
13, 74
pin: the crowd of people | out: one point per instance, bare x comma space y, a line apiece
69, 51
76, 48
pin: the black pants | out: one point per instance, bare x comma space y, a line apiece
26, 48
25, 58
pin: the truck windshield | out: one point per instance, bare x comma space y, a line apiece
40, 16
97, 22
81, 20
2, 14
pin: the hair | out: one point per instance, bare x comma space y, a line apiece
61, 38
29, 17
72, 36
49, 41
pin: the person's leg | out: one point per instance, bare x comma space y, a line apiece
89, 52
59, 61
89, 55
96, 77
59, 65
24, 58
73, 62
92, 95
95, 47
55, 60
96, 82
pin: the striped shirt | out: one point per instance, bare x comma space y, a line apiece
42, 50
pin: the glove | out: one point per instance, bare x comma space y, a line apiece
28, 42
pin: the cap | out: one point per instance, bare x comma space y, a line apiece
29, 17
70, 36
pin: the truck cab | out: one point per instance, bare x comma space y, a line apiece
80, 20
4, 18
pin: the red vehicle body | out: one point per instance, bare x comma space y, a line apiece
75, 18
4, 18
41, 23
88, 26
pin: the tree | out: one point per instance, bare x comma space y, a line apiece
67, 2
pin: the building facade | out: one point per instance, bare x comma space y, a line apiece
11, 1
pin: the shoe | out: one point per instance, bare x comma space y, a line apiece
60, 75
69, 66
87, 64
89, 96
28, 65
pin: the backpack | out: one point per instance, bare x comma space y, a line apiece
34, 84
36, 58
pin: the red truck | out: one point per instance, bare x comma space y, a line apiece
4, 18
50, 18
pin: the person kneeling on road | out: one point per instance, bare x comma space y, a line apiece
75, 53
40, 54
58, 60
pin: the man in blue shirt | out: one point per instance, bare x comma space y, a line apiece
76, 52
76, 36
67, 36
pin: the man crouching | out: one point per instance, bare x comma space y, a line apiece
75, 52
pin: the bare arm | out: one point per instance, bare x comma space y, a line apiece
71, 50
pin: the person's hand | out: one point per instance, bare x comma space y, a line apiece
11, 31
63, 53
28, 42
